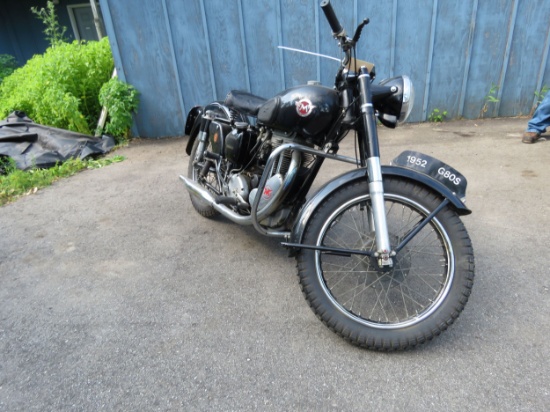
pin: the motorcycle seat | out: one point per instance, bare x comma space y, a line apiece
244, 102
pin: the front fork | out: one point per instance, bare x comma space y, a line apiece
370, 157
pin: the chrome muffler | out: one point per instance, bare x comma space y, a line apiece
195, 189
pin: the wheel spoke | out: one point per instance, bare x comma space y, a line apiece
392, 296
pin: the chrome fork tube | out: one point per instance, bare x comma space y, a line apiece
369, 142
376, 191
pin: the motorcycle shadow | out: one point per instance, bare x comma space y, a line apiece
271, 245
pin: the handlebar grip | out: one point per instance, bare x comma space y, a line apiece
331, 17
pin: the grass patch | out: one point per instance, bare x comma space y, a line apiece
15, 183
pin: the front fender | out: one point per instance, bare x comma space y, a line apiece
352, 176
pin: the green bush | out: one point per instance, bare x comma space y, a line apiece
61, 87
121, 100
8, 64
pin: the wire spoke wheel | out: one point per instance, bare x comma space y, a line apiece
395, 307
386, 298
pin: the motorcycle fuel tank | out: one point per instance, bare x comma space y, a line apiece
308, 110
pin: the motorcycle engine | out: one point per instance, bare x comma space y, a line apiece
242, 184
280, 178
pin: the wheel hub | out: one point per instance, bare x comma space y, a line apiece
385, 276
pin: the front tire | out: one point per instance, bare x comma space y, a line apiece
393, 309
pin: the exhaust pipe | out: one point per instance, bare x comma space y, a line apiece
195, 189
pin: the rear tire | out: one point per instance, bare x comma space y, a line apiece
395, 309
193, 169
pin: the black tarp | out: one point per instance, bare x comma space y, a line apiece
32, 145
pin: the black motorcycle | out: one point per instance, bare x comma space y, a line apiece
383, 257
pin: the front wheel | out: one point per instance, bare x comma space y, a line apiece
393, 308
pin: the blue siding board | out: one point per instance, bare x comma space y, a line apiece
109, 27
412, 45
468, 57
506, 59
280, 42
433, 25
261, 33
453, 51
243, 45
487, 54
393, 37
173, 55
543, 66
208, 49
449, 56
298, 29
225, 40
317, 43
528, 47
546, 78
192, 53
375, 45
151, 69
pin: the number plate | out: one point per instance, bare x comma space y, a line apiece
434, 168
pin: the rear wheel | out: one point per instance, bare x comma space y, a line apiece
395, 308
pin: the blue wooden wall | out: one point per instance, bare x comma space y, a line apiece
180, 53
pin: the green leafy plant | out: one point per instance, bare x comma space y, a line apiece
541, 94
15, 183
8, 64
491, 98
437, 116
121, 101
60, 88
55, 33
106, 161
539, 97
7, 165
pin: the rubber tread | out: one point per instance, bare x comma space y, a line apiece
389, 340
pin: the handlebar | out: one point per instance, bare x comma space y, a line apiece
331, 18
339, 33
337, 29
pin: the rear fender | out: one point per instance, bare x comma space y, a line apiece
192, 117
192, 126
361, 174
